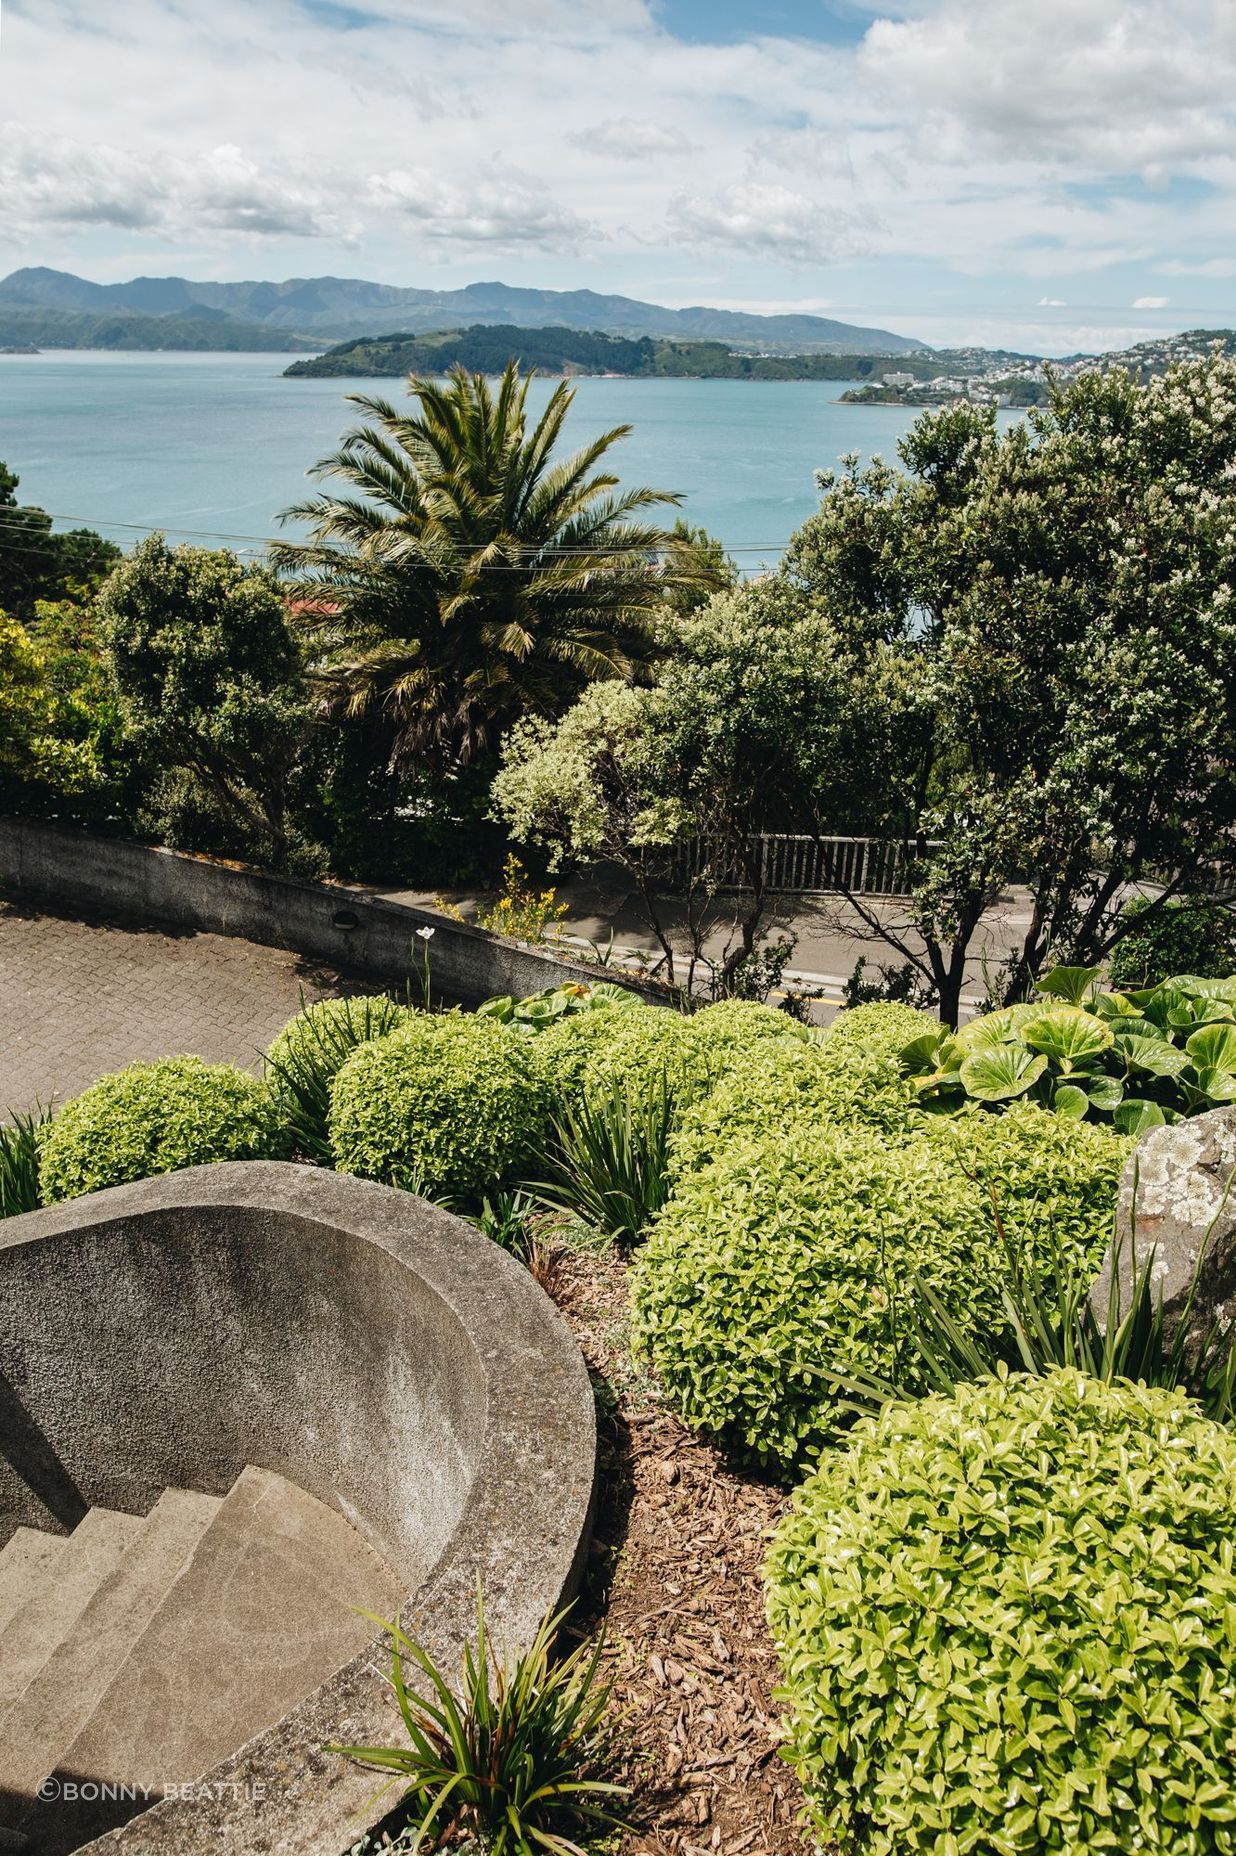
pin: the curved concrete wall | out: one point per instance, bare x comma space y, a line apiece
356, 1340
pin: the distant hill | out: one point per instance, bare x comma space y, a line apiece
342, 308
486, 348
199, 331
1149, 358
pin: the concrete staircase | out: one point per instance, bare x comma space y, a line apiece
139, 1651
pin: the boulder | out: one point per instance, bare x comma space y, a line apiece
1178, 1200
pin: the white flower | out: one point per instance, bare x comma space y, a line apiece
426, 934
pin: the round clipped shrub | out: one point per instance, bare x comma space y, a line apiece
320, 1039
782, 1259
447, 1105
1007, 1623
775, 1085
563, 1052
156, 1118
1052, 1183
882, 1026
742, 1024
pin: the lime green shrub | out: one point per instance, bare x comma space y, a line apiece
778, 1262
1051, 1182
1007, 1624
776, 1085
882, 1027
447, 1105
791, 1252
156, 1118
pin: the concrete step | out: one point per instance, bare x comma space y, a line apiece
85, 1560
263, 1613
26, 1559
57, 1702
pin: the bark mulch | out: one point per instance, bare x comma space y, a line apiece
675, 1578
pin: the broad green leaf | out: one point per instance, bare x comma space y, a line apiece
1067, 1035
1069, 983
1154, 1055
1070, 1101
1214, 1048
1217, 1085
1000, 1074
1105, 1092
1113, 1006
921, 1054
996, 1028
1224, 990
1135, 1116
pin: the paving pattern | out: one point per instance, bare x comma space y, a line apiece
81, 998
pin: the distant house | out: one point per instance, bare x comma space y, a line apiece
897, 380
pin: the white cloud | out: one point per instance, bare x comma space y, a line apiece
507, 212
972, 138
632, 138
1151, 302
775, 221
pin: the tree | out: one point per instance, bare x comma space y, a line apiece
468, 579
210, 679
1054, 604
37, 564
671, 781
37, 745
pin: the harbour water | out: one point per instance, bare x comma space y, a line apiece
216, 445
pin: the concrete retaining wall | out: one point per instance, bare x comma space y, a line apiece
371, 1348
338, 924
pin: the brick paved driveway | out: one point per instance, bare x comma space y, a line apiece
80, 998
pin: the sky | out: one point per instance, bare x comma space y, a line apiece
1052, 176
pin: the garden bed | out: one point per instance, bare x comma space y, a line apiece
675, 1580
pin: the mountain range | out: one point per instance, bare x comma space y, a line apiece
333, 309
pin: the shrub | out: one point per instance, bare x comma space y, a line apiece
1006, 1624
777, 1265
156, 1118
1197, 936
1052, 1182
734, 1025
883, 1028
542, 1009
1134, 1059
565, 1050
789, 1258
777, 1085
446, 1105
307, 1055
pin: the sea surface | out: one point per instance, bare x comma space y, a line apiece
215, 446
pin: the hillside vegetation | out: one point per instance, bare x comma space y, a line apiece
486, 348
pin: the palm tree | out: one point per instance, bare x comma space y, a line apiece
470, 579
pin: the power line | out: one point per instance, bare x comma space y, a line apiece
530, 551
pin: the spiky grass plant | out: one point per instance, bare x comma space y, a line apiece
304, 1060
608, 1159
19, 1161
511, 1759
1050, 1321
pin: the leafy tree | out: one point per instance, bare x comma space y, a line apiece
463, 578
1053, 605
37, 751
37, 564
210, 681
671, 780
